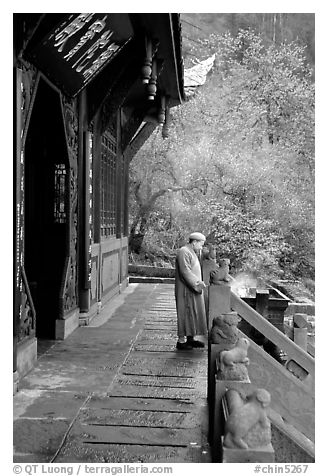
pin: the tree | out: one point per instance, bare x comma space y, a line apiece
242, 149
260, 104
273, 27
155, 174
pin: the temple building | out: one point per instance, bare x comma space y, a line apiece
89, 90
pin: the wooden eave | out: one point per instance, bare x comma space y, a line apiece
165, 27
161, 27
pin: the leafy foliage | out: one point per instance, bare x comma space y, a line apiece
239, 162
273, 27
254, 245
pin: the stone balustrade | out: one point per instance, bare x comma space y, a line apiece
225, 310
239, 430
297, 329
247, 428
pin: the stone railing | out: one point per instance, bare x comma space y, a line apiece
298, 362
291, 386
239, 430
247, 428
297, 329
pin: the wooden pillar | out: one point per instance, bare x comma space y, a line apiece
96, 177
119, 184
84, 207
18, 216
126, 196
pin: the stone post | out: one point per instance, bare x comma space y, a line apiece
231, 373
262, 302
219, 296
218, 304
247, 433
262, 307
300, 330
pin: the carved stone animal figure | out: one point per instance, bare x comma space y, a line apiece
224, 328
245, 417
221, 272
237, 355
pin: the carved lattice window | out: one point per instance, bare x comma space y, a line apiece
108, 185
60, 214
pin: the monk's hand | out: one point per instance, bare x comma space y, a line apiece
199, 287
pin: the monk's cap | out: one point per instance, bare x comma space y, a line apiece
197, 236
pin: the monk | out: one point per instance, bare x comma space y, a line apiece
189, 296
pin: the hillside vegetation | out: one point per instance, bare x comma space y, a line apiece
238, 164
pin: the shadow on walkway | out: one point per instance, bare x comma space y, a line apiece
117, 390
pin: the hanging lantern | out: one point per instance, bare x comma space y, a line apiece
146, 68
152, 86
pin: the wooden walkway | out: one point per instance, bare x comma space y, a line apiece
150, 407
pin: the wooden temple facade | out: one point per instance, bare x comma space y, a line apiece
89, 90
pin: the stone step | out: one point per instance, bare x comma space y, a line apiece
138, 418
107, 402
133, 435
77, 452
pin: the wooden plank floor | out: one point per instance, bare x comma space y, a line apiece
155, 409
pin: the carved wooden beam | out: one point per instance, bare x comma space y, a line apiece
120, 91
132, 125
124, 64
132, 148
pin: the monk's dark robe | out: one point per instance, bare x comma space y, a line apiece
188, 296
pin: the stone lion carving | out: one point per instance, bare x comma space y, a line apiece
221, 272
233, 362
224, 328
248, 426
236, 355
